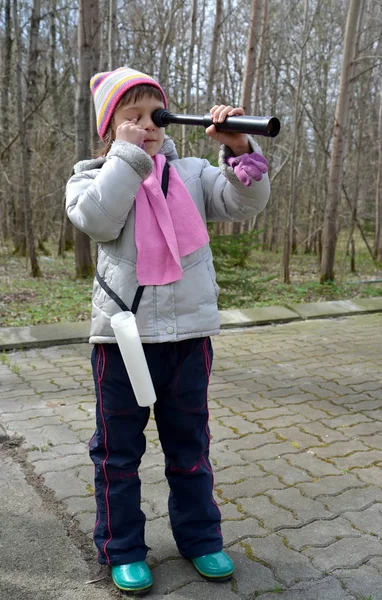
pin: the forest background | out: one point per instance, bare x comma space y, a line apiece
315, 64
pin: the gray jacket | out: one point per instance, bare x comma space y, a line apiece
100, 202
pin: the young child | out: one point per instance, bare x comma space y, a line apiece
147, 239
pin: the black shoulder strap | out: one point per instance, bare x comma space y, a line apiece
165, 178
139, 292
109, 291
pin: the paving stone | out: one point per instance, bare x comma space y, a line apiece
376, 562
251, 487
365, 582
331, 485
321, 431
326, 589
288, 474
158, 537
251, 577
57, 451
311, 464
363, 429
240, 425
87, 423
65, 484
329, 407
308, 411
156, 495
27, 414
268, 514
270, 413
373, 441
234, 531
304, 509
229, 511
252, 441
77, 505
221, 455
284, 421
268, 451
371, 475
298, 437
231, 475
358, 459
319, 533
339, 449
344, 555
286, 564
374, 415
86, 522
357, 499
61, 463
220, 433
172, 575
347, 420
368, 520
200, 590
40, 424
365, 405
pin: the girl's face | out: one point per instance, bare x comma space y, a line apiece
141, 111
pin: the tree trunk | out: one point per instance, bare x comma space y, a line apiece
4, 116
96, 62
84, 263
199, 57
259, 71
163, 70
339, 131
288, 234
250, 60
25, 128
378, 192
112, 36
190, 65
214, 51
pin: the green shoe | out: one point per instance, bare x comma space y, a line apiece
135, 577
216, 567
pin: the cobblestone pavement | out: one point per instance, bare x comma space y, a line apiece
296, 423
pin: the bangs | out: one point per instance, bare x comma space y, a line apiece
138, 92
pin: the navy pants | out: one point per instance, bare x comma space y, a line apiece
180, 372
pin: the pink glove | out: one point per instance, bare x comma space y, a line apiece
248, 167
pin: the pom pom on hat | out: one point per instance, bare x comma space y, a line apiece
109, 87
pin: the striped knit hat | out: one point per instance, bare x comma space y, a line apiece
109, 87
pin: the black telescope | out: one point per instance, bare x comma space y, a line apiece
267, 126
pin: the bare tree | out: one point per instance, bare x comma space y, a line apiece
294, 159
190, 65
250, 61
338, 145
84, 263
6, 56
112, 35
214, 50
23, 128
378, 192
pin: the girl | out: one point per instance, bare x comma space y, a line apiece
154, 234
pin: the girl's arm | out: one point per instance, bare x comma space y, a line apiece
99, 201
225, 198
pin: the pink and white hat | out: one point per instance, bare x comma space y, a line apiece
109, 87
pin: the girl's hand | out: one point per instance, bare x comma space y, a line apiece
238, 142
129, 131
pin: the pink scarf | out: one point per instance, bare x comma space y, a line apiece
165, 228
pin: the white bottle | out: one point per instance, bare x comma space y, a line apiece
130, 345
